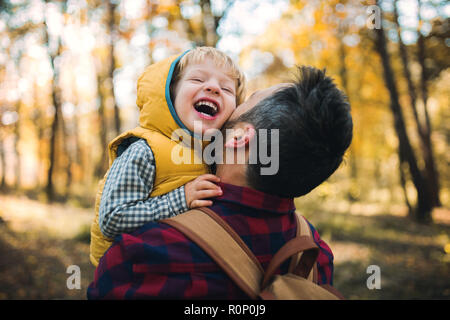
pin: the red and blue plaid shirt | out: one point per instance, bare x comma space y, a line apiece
157, 261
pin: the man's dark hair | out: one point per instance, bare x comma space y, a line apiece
315, 129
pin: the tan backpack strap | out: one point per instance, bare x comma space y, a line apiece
300, 232
211, 233
233, 234
303, 229
303, 244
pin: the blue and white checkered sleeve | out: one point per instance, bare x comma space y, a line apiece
125, 204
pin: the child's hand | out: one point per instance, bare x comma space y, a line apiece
202, 187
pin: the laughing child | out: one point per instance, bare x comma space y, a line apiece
143, 183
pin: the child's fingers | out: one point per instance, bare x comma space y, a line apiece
201, 203
206, 185
204, 194
209, 177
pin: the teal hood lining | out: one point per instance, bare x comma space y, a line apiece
169, 99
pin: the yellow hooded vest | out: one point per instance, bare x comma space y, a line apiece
157, 123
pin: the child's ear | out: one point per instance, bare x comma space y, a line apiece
241, 137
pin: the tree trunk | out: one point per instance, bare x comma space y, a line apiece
210, 22
18, 166
112, 64
407, 74
3, 166
430, 163
39, 126
209, 25
52, 156
76, 139
102, 165
56, 101
424, 202
66, 142
413, 104
402, 170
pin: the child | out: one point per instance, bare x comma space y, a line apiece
143, 184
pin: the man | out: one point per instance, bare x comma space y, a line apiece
314, 129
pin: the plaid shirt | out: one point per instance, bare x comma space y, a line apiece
125, 204
157, 261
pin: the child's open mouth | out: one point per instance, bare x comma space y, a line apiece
206, 108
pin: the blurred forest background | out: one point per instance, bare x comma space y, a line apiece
68, 72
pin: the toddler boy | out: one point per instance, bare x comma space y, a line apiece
143, 184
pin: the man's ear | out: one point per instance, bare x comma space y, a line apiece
241, 136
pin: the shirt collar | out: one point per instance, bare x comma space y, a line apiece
255, 199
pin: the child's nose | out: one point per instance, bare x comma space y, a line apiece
212, 88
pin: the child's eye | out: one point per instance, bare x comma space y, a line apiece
197, 79
228, 90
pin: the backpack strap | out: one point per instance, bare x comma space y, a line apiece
303, 229
302, 250
211, 233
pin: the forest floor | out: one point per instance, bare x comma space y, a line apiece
38, 242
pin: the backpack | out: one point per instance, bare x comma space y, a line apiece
211, 233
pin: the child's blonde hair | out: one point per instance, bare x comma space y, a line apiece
220, 59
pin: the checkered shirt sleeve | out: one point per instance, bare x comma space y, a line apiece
125, 204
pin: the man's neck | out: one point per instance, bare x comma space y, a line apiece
232, 174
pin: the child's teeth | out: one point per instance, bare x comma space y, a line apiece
210, 104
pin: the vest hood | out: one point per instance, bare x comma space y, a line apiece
157, 111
